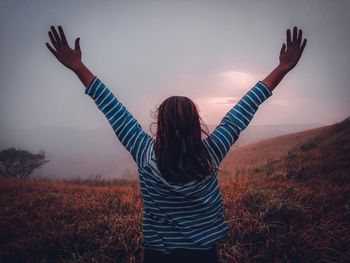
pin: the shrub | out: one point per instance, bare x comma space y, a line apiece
20, 163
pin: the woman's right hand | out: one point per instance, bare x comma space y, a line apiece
71, 58
291, 53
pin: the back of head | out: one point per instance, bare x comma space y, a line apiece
180, 153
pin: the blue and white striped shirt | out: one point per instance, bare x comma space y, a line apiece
187, 216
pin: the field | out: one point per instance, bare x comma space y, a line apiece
286, 199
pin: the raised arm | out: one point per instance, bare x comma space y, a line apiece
237, 119
125, 126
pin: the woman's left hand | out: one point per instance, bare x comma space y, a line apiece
71, 58
291, 53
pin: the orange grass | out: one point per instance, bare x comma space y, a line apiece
301, 213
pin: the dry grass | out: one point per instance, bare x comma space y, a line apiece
291, 204
50, 222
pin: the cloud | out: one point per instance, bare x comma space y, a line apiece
214, 92
226, 84
282, 103
232, 101
228, 101
239, 79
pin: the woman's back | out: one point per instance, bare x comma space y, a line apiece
187, 216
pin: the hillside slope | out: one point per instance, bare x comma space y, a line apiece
287, 199
319, 152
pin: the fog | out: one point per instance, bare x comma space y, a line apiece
146, 51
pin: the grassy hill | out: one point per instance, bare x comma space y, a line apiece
319, 152
286, 199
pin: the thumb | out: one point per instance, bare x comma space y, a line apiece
77, 44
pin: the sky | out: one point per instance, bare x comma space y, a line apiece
146, 51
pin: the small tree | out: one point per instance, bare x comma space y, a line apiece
20, 163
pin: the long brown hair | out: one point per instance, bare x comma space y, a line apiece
180, 153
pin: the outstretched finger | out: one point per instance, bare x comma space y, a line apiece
53, 40
57, 37
77, 44
300, 37
288, 38
295, 31
283, 49
51, 49
303, 46
63, 37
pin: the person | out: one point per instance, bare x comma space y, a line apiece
182, 216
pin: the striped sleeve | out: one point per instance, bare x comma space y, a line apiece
236, 120
125, 126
